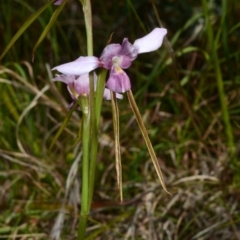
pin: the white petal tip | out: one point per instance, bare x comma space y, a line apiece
151, 41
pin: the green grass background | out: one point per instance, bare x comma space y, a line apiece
188, 94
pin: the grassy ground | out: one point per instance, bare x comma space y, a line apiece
188, 94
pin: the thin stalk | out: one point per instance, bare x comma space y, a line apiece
82, 227
87, 10
118, 163
85, 169
146, 138
90, 127
94, 141
220, 84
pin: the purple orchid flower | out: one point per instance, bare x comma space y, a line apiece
79, 86
58, 2
116, 57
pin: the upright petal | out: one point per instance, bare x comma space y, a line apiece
72, 91
108, 53
152, 41
128, 50
80, 66
118, 81
82, 84
58, 2
68, 79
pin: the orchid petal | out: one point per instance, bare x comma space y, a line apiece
107, 94
118, 81
68, 79
58, 2
152, 41
72, 91
82, 85
80, 66
108, 53
129, 50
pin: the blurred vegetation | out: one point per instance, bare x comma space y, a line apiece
178, 95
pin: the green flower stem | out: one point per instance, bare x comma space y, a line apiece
82, 227
90, 127
87, 10
92, 167
219, 78
83, 102
94, 140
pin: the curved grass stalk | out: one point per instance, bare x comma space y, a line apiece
146, 138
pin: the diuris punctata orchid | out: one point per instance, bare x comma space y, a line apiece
116, 57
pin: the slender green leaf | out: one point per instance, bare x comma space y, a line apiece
99, 93
94, 138
100, 88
